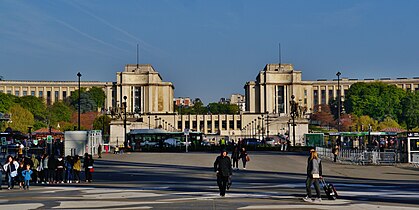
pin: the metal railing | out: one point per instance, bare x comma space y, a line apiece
360, 157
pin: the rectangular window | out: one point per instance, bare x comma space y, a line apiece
137, 100
323, 96
224, 124
48, 98
231, 124
331, 96
16, 93
239, 124
315, 97
25, 93
217, 125
281, 99
64, 94
305, 92
32, 93
56, 96
9, 92
305, 101
179, 124
345, 92
187, 124
194, 125
41, 94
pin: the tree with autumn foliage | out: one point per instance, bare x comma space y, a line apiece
323, 115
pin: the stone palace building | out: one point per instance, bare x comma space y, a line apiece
150, 101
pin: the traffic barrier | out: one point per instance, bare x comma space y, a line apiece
360, 157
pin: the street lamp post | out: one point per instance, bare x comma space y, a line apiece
338, 74
267, 124
78, 116
255, 128
293, 113
30, 139
149, 121
125, 121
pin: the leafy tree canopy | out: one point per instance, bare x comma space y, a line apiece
33, 104
21, 118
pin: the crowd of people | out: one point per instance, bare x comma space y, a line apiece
45, 170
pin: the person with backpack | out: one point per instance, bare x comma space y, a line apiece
77, 169
235, 157
223, 170
245, 157
88, 168
35, 167
314, 174
68, 169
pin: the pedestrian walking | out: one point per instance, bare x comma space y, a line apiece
314, 174
235, 157
45, 170
88, 168
68, 169
223, 170
19, 178
335, 152
77, 169
35, 165
27, 176
60, 170
1, 175
99, 151
245, 157
10, 167
52, 166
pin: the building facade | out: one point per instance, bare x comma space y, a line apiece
150, 101
49, 91
272, 90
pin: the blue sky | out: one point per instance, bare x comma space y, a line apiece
208, 49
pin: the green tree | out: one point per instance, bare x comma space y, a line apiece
376, 99
410, 110
59, 112
102, 122
87, 104
362, 123
21, 118
388, 122
33, 104
98, 96
6, 101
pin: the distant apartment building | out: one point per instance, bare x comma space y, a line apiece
183, 102
239, 100
224, 101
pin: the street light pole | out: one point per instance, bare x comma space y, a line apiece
78, 116
30, 139
125, 121
293, 110
338, 74
267, 124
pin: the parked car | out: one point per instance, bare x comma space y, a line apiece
251, 142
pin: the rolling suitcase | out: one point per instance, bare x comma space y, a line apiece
329, 189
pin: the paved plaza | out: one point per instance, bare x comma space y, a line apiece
273, 180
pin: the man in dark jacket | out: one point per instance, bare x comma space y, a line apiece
222, 166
